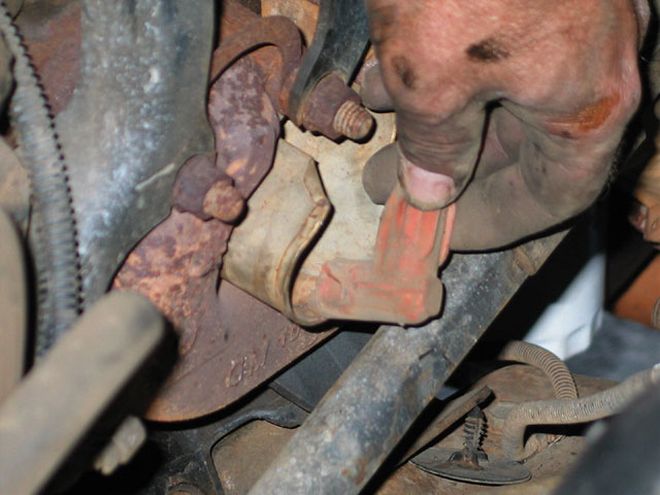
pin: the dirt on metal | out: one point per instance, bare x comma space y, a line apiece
229, 342
233, 456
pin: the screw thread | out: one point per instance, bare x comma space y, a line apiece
353, 121
474, 430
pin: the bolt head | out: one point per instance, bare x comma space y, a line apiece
224, 202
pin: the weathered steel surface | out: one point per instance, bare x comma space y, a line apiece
252, 32
322, 110
340, 39
234, 19
52, 34
363, 417
229, 342
138, 113
261, 442
197, 178
303, 12
47, 416
286, 216
245, 124
175, 266
240, 344
329, 105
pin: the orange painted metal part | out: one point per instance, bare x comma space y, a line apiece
639, 302
401, 283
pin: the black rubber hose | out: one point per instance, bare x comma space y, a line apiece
56, 250
566, 412
554, 368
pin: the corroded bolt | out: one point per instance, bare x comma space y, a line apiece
353, 121
224, 202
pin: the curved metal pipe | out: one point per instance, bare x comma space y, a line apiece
566, 412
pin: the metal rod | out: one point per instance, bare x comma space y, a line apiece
366, 413
48, 414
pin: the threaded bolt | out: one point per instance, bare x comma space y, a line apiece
474, 430
353, 121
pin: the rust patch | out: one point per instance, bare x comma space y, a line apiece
245, 124
229, 342
51, 31
195, 179
249, 31
320, 108
239, 344
488, 51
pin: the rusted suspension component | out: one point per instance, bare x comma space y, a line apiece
353, 121
245, 124
340, 40
277, 31
229, 342
331, 107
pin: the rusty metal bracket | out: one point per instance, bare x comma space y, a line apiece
292, 210
393, 277
277, 31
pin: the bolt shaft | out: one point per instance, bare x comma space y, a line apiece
353, 120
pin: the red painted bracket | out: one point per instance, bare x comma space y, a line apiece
401, 284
